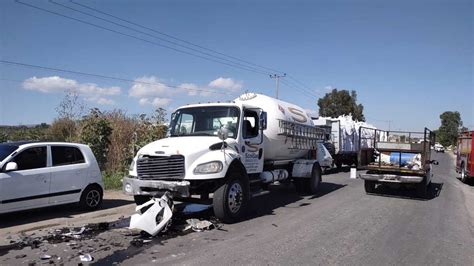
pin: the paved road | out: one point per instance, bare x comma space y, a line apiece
341, 225
344, 226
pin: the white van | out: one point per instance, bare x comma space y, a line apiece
40, 174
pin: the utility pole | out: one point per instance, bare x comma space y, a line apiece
277, 79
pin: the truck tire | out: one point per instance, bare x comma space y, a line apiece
309, 185
463, 173
231, 199
140, 199
315, 180
369, 186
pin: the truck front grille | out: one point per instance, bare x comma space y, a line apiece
161, 167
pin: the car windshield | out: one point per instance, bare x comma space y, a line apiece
6, 150
204, 121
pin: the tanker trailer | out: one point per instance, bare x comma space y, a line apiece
227, 153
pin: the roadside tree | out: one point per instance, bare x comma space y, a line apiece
341, 102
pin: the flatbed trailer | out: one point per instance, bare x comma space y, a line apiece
396, 157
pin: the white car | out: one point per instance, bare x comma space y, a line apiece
40, 174
438, 147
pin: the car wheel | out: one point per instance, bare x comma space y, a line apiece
91, 198
231, 199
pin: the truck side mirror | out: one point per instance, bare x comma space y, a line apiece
263, 120
11, 166
223, 133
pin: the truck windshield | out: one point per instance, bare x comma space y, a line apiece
204, 121
6, 150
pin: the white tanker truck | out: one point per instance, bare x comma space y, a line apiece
231, 151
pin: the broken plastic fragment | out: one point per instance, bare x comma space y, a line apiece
45, 257
198, 225
154, 215
86, 257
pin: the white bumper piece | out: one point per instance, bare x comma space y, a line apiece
155, 218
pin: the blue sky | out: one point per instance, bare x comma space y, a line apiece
408, 60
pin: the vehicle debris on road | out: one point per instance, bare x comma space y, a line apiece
154, 215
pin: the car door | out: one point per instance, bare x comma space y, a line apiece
68, 173
28, 186
252, 137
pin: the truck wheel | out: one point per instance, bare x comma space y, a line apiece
309, 185
91, 198
463, 173
315, 181
338, 165
369, 186
140, 199
230, 200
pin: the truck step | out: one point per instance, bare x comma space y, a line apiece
259, 193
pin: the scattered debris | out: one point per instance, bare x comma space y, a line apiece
198, 225
86, 257
154, 215
45, 257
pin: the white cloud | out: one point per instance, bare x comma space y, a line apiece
226, 84
150, 90
149, 87
55, 84
328, 88
156, 102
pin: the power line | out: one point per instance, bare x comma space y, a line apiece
174, 37
190, 43
135, 37
154, 36
209, 57
298, 88
105, 77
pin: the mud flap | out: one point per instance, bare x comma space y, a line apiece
153, 215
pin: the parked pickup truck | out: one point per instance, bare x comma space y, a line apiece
396, 157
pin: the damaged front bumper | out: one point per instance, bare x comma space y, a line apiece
135, 186
391, 178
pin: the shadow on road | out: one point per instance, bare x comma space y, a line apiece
470, 181
434, 191
281, 196
48, 213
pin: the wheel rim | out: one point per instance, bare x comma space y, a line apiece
93, 198
235, 197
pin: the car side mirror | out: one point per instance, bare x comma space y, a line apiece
11, 166
223, 133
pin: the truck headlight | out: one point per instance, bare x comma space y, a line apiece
208, 168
